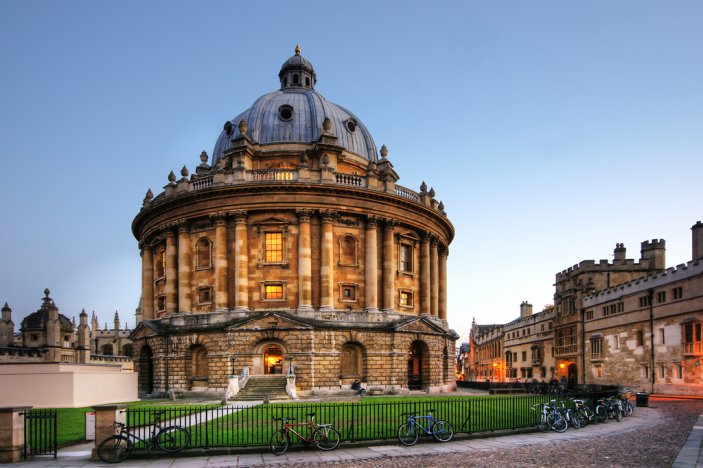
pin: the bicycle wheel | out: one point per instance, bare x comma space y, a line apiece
618, 414
407, 434
628, 408
114, 449
557, 423
442, 431
542, 424
582, 416
601, 414
574, 419
279, 442
173, 439
326, 438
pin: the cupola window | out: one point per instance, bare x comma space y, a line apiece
296, 79
307, 81
285, 113
351, 125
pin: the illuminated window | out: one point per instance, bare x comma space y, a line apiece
273, 292
692, 342
274, 247
405, 298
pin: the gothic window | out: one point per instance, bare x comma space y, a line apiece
127, 350
203, 254
597, 348
348, 251
199, 364
106, 350
160, 263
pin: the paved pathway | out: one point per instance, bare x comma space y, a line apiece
691, 453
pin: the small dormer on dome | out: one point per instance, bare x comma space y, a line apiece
297, 72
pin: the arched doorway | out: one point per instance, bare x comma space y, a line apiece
572, 376
418, 366
146, 370
273, 359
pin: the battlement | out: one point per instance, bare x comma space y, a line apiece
653, 244
590, 266
654, 280
547, 314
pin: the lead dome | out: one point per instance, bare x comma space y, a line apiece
296, 114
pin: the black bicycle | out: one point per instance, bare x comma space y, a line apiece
409, 431
170, 439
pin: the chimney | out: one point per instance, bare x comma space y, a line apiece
619, 253
525, 309
654, 253
697, 234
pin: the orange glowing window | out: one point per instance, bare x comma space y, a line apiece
274, 247
274, 291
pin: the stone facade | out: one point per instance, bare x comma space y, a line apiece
631, 323
293, 250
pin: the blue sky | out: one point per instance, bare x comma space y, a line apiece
551, 130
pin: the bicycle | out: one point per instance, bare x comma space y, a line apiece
409, 431
117, 447
584, 413
323, 436
549, 417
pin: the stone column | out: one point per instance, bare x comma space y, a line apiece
105, 417
327, 261
241, 261
434, 278
443, 283
185, 267
221, 299
171, 273
12, 433
425, 275
371, 265
304, 262
388, 265
147, 309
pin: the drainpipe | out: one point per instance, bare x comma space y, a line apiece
650, 293
583, 346
166, 370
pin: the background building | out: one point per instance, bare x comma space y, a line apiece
294, 250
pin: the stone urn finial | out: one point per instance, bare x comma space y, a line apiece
423, 187
47, 292
184, 171
203, 157
243, 127
327, 126
384, 151
432, 192
171, 177
441, 206
148, 197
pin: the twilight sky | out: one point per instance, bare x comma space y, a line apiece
551, 130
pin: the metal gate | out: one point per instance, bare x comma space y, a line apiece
40, 432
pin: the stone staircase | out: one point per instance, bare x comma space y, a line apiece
258, 386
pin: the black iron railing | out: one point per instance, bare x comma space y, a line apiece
40, 433
246, 426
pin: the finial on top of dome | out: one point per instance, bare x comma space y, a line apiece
384, 151
297, 49
47, 292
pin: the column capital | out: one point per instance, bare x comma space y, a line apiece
371, 222
426, 237
218, 218
389, 224
328, 216
303, 215
168, 230
240, 216
182, 225
434, 240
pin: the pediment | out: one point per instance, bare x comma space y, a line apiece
420, 325
272, 220
269, 321
143, 330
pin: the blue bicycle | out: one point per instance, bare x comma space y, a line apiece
409, 431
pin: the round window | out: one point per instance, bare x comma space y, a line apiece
351, 125
285, 112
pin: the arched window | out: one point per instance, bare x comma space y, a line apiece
348, 250
106, 350
127, 350
203, 254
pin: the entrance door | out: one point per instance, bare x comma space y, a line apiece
572, 378
146, 370
415, 367
273, 360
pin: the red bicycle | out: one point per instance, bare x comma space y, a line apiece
323, 436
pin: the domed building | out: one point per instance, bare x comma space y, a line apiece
293, 251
